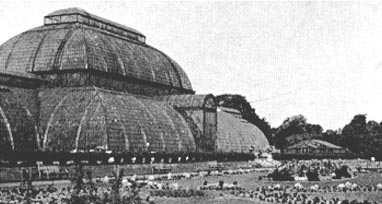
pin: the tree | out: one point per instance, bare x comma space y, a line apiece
373, 128
373, 141
355, 134
362, 137
294, 125
295, 129
313, 129
332, 136
239, 102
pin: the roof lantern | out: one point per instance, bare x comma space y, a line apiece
78, 15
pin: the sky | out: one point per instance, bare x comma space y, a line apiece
319, 59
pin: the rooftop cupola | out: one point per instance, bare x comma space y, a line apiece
78, 15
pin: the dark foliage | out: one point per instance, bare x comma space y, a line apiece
284, 174
294, 130
332, 136
343, 172
362, 137
313, 175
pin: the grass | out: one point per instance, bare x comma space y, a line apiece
250, 181
202, 200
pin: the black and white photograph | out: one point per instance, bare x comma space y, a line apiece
183, 102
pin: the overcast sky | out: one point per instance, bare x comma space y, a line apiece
319, 59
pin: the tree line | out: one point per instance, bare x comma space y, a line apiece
360, 136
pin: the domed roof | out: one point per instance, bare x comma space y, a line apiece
236, 134
85, 118
72, 39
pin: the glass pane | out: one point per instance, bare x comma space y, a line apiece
65, 18
72, 18
56, 19
48, 21
83, 19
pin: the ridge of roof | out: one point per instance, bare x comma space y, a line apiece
186, 100
84, 13
327, 143
311, 143
229, 110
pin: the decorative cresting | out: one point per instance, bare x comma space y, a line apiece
236, 134
74, 40
81, 119
18, 130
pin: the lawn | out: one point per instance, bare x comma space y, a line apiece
251, 181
